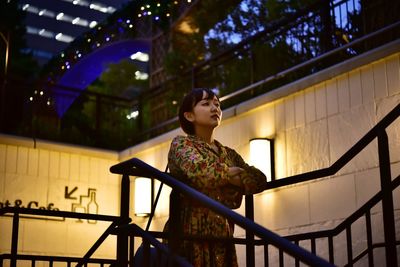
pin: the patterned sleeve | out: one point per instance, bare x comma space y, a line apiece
201, 172
253, 179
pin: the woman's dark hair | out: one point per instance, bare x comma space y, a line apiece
188, 103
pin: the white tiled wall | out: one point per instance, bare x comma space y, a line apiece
39, 176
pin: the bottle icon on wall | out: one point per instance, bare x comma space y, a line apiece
92, 206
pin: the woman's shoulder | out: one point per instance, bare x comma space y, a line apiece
179, 139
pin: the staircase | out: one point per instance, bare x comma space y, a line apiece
153, 252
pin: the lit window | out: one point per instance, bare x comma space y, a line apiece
140, 56
75, 20
92, 24
141, 75
64, 38
59, 16
46, 33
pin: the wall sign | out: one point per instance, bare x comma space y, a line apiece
85, 203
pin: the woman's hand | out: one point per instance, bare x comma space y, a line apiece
234, 174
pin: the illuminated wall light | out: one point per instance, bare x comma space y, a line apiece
139, 15
41, 93
130, 26
158, 4
31, 98
168, 14
262, 156
143, 196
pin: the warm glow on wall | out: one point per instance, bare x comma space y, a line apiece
143, 196
261, 156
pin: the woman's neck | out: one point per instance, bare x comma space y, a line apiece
206, 135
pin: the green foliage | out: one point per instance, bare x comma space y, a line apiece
118, 79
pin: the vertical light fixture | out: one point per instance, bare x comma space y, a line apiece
143, 196
262, 156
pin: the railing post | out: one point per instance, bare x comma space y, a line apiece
175, 231
249, 210
387, 199
123, 238
14, 240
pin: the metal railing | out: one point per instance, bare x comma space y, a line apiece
14, 256
137, 167
365, 213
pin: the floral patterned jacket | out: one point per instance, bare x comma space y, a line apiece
194, 162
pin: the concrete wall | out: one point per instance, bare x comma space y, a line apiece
313, 121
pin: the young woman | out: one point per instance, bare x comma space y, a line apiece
213, 169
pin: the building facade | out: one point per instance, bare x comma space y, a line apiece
52, 25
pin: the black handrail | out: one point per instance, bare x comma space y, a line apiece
136, 167
150, 239
52, 259
344, 159
349, 220
59, 213
17, 211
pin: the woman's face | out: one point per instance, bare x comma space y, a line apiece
206, 113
